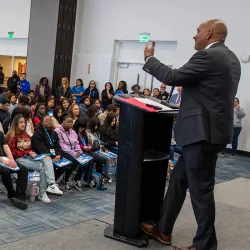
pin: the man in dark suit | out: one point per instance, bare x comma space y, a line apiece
204, 126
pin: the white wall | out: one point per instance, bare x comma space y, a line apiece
100, 22
14, 17
15, 47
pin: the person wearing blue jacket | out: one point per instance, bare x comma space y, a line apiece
23, 85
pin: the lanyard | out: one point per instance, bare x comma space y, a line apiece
71, 146
50, 140
83, 141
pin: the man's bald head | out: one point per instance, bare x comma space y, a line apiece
209, 32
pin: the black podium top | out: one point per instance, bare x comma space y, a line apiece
146, 103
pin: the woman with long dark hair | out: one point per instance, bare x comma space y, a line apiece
107, 95
92, 91
50, 104
20, 144
64, 103
122, 88
85, 104
57, 116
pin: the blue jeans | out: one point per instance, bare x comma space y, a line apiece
44, 167
235, 139
176, 149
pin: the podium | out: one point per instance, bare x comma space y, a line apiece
144, 141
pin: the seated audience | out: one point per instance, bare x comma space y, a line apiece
74, 112
63, 91
39, 113
156, 92
32, 107
70, 146
20, 144
22, 102
4, 110
109, 134
78, 90
50, 104
84, 104
146, 92
64, 103
42, 90
13, 81
31, 93
163, 93
96, 145
92, 91
57, 117
46, 141
72, 100
112, 108
80, 128
122, 88
107, 95
136, 90
92, 111
23, 85
98, 103
18, 196
13, 100
29, 124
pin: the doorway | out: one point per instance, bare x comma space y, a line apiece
127, 62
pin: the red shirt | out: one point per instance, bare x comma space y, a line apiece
20, 145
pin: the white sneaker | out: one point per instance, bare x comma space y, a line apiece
53, 189
44, 198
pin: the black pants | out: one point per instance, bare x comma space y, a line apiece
99, 160
58, 171
86, 170
195, 170
21, 183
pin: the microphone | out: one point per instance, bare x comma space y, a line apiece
170, 93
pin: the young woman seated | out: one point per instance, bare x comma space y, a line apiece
96, 145
57, 117
46, 141
80, 128
20, 144
70, 146
109, 134
50, 104
74, 112
64, 103
85, 103
98, 103
39, 113
18, 196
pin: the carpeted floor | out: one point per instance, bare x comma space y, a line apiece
81, 207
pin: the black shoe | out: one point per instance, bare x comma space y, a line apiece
18, 203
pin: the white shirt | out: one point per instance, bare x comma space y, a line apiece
209, 45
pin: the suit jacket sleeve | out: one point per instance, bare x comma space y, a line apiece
195, 69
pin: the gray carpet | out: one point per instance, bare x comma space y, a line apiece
77, 219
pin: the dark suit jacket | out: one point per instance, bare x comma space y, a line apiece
210, 81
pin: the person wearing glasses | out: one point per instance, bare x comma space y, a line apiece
163, 93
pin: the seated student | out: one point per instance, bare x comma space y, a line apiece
64, 103
31, 93
46, 141
156, 92
72, 100
29, 124
57, 117
122, 88
146, 92
109, 134
111, 109
80, 128
50, 104
4, 110
74, 112
98, 103
39, 113
96, 145
92, 91
85, 103
22, 101
92, 111
13, 100
17, 197
20, 144
69, 144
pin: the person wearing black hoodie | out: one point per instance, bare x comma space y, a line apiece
109, 134
13, 81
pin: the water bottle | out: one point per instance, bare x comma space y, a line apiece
34, 190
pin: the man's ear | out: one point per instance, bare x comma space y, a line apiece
209, 34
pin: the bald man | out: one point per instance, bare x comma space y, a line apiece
204, 126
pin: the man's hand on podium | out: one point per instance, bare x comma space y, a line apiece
149, 50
